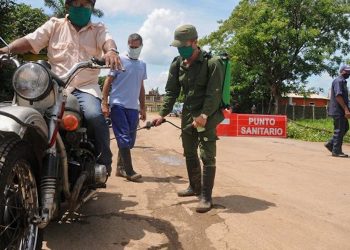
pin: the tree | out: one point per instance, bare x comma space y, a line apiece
26, 19
275, 45
59, 8
101, 81
17, 21
5, 9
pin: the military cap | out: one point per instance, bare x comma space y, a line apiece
183, 34
344, 68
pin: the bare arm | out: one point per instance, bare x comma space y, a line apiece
342, 103
111, 55
105, 94
109, 44
19, 46
142, 101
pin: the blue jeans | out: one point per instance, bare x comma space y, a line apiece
341, 126
124, 123
97, 128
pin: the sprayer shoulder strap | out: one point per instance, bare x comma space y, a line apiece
225, 85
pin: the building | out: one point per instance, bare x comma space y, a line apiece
154, 101
296, 106
300, 100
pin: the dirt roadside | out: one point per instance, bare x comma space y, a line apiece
268, 194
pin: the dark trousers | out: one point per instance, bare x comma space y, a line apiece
97, 127
341, 126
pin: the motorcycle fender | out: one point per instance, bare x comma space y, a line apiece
26, 115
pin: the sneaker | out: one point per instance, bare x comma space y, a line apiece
120, 172
329, 146
341, 154
134, 177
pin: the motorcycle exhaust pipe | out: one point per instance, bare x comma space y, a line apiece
64, 166
48, 188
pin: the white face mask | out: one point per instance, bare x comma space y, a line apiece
134, 53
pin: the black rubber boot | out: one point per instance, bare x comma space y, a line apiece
131, 175
205, 204
120, 171
194, 175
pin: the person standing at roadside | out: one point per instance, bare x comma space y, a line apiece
339, 111
253, 109
127, 102
200, 77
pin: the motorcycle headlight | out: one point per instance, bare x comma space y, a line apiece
32, 81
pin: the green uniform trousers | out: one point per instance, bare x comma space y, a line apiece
206, 141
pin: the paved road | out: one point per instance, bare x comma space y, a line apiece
269, 194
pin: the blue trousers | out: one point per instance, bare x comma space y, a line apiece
124, 123
341, 126
97, 127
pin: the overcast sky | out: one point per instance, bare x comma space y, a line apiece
155, 21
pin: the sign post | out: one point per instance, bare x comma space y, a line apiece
253, 125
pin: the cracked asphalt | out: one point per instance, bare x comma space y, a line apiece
269, 193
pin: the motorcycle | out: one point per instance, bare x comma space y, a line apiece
46, 157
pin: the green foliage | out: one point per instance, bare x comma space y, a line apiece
101, 81
57, 6
312, 130
276, 45
5, 9
17, 21
26, 19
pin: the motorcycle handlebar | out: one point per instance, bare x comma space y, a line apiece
8, 57
93, 63
100, 62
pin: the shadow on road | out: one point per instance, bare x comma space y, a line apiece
236, 204
102, 225
241, 204
170, 179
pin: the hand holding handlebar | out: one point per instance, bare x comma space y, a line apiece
113, 60
102, 62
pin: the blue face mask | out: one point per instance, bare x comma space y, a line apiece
186, 51
79, 16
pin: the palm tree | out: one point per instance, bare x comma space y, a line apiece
59, 9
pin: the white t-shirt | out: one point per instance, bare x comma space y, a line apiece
126, 85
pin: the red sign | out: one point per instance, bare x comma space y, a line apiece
253, 125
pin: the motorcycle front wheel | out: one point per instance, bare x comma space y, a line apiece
19, 201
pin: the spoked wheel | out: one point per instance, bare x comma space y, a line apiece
19, 202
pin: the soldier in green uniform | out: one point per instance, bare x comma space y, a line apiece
200, 77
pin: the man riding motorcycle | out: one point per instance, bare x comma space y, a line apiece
70, 40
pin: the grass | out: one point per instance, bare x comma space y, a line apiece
312, 130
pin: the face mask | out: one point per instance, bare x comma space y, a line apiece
134, 53
346, 76
79, 16
186, 52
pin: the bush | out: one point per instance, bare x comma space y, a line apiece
312, 130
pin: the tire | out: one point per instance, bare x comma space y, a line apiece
19, 198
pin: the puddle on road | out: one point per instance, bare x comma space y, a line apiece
171, 160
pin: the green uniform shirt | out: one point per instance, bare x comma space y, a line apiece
201, 84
